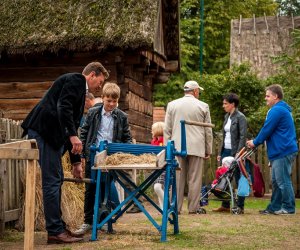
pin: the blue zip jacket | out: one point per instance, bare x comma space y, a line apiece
278, 131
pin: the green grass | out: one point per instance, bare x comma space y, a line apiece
205, 231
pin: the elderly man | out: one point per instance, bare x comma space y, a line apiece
279, 133
199, 142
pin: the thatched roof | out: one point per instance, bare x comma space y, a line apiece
29, 26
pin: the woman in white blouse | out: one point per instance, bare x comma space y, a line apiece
234, 139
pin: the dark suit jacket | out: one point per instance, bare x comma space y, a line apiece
57, 116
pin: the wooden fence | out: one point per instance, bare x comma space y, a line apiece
28, 152
11, 170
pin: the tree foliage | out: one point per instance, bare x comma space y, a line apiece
289, 7
218, 79
239, 79
217, 18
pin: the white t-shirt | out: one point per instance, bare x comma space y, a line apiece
227, 140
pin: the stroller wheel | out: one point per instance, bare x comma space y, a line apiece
236, 210
201, 211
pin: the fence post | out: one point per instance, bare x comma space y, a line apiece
30, 204
2, 196
297, 173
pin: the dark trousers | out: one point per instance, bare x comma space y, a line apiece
237, 175
52, 179
90, 192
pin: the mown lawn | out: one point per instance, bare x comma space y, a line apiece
205, 231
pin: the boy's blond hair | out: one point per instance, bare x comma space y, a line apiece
112, 90
158, 129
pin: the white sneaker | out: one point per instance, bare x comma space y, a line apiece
83, 229
282, 212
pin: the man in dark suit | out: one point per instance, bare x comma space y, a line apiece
54, 122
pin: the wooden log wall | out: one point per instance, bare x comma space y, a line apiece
139, 100
24, 79
258, 39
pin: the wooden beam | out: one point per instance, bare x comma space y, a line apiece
24, 144
17, 104
162, 77
2, 196
154, 57
30, 204
142, 166
161, 159
201, 124
23, 90
12, 215
19, 154
172, 66
100, 158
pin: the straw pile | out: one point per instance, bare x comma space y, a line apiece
122, 158
71, 201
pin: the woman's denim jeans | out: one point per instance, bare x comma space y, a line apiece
283, 196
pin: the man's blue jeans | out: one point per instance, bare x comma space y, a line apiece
283, 196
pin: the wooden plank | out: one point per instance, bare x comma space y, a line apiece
17, 104
201, 124
141, 134
12, 215
161, 159
152, 56
13, 153
172, 66
294, 176
2, 195
127, 167
30, 204
138, 104
23, 90
162, 77
137, 118
19, 164
139, 89
100, 158
10, 185
17, 115
268, 170
24, 144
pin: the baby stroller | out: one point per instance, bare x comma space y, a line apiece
223, 189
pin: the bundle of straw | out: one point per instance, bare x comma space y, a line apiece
71, 205
122, 158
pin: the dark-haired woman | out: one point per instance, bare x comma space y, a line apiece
234, 139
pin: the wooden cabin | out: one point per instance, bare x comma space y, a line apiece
137, 41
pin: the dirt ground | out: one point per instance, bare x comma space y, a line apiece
205, 231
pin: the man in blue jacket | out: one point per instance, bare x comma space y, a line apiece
279, 133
